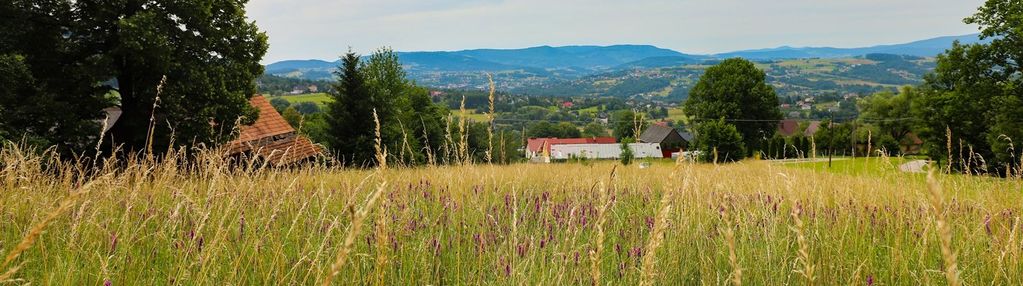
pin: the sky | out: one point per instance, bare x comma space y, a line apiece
324, 29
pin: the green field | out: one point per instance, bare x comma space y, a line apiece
874, 166
320, 99
471, 115
676, 114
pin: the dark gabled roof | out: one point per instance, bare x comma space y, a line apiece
687, 136
657, 133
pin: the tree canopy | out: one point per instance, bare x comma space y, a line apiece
200, 57
411, 125
736, 89
48, 77
890, 111
976, 94
627, 124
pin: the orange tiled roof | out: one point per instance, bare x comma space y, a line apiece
272, 137
270, 122
289, 151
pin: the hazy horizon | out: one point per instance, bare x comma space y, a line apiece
322, 29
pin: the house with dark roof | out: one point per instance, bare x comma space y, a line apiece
271, 138
668, 138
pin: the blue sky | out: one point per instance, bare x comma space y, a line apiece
323, 29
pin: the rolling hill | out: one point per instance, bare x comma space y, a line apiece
633, 71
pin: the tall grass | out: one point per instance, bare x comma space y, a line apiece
198, 220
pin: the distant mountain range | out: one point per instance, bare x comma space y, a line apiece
569, 59
923, 48
575, 61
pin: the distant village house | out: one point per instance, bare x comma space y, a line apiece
668, 139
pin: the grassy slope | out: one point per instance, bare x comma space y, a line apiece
519, 224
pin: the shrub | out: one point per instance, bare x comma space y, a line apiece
627, 155
722, 136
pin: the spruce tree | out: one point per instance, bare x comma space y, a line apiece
350, 115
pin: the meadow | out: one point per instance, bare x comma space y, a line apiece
205, 222
320, 99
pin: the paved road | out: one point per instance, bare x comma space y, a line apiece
794, 161
916, 166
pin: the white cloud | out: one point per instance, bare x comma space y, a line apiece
324, 29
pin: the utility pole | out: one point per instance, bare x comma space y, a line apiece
831, 144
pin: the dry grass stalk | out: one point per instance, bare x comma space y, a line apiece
733, 259
448, 152
969, 160
637, 125
944, 230
597, 252
870, 134
152, 118
715, 155
381, 245
649, 271
962, 158
37, 230
813, 148
381, 152
804, 246
463, 139
430, 160
504, 157
99, 141
1009, 248
490, 121
948, 146
406, 148
353, 231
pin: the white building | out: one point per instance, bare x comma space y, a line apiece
604, 151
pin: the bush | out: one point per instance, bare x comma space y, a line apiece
722, 136
307, 108
627, 155
279, 104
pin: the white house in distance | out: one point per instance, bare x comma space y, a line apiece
603, 151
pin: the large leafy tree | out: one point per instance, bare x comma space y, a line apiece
48, 86
425, 126
200, 57
627, 124
976, 94
736, 89
889, 111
